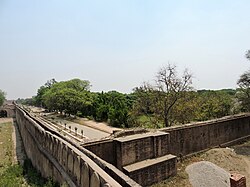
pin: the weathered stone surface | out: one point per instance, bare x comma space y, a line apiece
190, 138
70, 162
55, 157
139, 147
85, 175
77, 169
63, 164
152, 171
94, 180
9, 109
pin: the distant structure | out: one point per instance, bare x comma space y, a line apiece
7, 110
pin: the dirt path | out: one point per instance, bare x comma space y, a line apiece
247, 160
6, 120
19, 152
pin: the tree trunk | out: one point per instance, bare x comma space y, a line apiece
166, 121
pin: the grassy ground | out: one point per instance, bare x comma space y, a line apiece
11, 173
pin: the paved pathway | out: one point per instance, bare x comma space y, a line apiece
87, 131
91, 129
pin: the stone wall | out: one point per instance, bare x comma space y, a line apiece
9, 108
103, 149
136, 148
54, 157
193, 138
144, 157
152, 171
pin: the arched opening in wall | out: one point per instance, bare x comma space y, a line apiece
3, 114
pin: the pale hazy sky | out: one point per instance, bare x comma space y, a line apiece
118, 44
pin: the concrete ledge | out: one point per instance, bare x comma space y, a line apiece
152, 171
147, 163
140, 136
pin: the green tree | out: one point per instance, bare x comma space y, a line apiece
161, 98
68, 96
212, 104
243, 93
113, 107
248, 54
42, 90
2, 97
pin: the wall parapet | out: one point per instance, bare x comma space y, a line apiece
57, 158
195, 137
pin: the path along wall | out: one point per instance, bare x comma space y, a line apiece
56, 158
193, 138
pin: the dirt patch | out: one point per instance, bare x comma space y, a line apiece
19, 151
6, 120
207, 174
234, 159
229, 160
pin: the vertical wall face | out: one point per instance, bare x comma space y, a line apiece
193, 138
148, 173
9, 109
103, 149
145, 158
136, 148
56, 158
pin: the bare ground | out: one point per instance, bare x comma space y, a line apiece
234, 159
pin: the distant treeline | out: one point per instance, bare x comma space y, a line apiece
171, 100
135, 109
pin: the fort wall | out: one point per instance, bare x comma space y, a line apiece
54, 157
191, 138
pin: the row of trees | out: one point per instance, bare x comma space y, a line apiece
171, 99
146, 106
74, 97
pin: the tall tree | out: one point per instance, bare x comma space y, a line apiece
248, 54
244, 91
170, 89
2, 97
163, 95
42, 90
68, 96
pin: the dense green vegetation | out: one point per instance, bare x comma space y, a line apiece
13, 174
2, 97
16, 175
171, 100
140, 108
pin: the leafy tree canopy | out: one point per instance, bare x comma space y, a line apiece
2, 97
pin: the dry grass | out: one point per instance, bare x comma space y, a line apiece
6, 145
